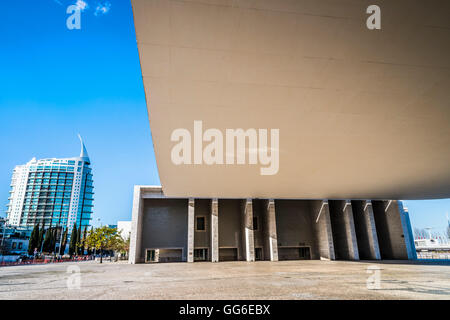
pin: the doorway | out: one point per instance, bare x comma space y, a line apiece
259, 254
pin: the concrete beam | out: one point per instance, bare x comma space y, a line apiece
271, 230
371, 231
247, 226
136, 227
322, 228
191, 231
214, 230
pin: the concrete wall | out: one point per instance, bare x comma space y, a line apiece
294, 226
165, 224
389, 230
230, 225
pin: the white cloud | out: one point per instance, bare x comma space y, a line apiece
102, 8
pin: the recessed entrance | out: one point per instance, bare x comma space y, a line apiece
228, 254
294, 253
259, 254
163, 255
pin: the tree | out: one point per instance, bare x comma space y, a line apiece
86, 245
122, 245
79, 249
73, 241
34, 240
83, 241
48, 241
41, 238
103, 238
54, 237
63, 243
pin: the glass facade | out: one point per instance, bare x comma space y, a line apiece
50, 191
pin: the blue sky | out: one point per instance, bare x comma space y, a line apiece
57, 82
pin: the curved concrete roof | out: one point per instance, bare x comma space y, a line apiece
361, 113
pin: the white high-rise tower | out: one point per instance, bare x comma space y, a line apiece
52, 193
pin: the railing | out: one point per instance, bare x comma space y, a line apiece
46, 260
433, 255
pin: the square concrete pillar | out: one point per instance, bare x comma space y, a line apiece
271, 230
322, 228
350, 230
247, 227
191, 231
214, 230
371, 231
136, 228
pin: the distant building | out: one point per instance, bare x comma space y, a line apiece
429, 248
52, 193
13, 240
124, 229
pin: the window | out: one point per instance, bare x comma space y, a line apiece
150, 256
200, 224
255, 223
200, 254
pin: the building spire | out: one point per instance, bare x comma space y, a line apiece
83, 154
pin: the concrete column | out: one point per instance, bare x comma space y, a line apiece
350, 230
191, 230
271, 231
407, 232
390, 229
214, 230
371, 230
249, 242
322, 228
135, 255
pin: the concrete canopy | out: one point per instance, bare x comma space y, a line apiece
362, 114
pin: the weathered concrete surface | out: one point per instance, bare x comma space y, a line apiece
228, 280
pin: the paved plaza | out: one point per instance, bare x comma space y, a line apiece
228, 280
